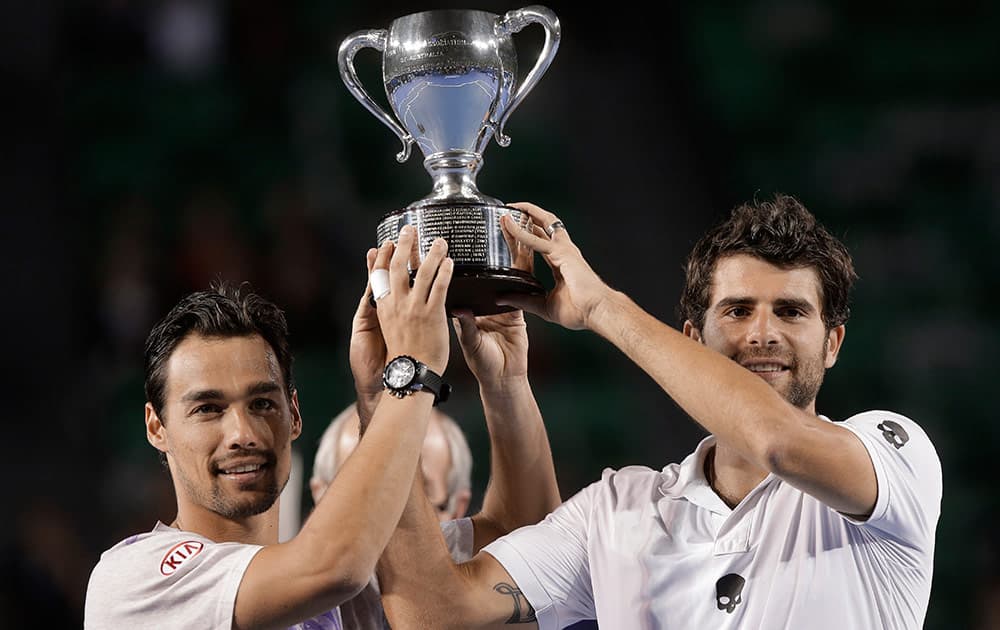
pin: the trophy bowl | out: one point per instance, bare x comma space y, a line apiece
451, 79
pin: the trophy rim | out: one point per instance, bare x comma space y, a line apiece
444, 11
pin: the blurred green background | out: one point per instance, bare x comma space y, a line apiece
152, 147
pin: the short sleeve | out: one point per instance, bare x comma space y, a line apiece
191, 581
909, 477
549, 562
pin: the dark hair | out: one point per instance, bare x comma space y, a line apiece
222, 311
783, 233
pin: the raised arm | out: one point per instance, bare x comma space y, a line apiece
421, 586
739, 408
523, 486
335, 553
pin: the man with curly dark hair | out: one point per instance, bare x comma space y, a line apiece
780, 518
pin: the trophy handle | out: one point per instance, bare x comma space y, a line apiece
511, 23
376, 39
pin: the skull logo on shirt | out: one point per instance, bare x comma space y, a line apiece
729, 592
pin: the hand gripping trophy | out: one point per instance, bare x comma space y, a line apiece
450, 77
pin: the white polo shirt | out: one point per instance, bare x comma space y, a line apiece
648, 549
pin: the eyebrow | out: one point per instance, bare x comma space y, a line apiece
802, 305
263, 387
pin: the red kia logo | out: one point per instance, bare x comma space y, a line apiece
178, 554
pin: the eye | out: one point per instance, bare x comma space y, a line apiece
738, 311
207, 409
262, 404
791, 312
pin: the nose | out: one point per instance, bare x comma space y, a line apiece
763, 330
242, 430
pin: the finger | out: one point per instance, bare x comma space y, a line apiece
439, 289
543, 219
427, 269
529, 303
468, 332
539, 215
370, 263
366, 297
382, 256
415, 254
526, 236
399, 274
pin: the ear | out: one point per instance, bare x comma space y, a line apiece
462, 498
691, 331
296, 415
156, 432
834, 341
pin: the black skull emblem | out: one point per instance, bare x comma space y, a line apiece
893, 433
729, 592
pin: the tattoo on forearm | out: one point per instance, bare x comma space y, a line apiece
523, 612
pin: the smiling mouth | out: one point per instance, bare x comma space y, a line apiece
243, 473
766, 368
242, 470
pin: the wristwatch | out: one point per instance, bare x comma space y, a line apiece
404, 375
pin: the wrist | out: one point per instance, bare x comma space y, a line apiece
505, 387
605, 310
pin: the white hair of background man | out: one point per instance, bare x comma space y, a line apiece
326, 464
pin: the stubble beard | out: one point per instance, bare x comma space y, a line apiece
806, 380
223, 503
805, 377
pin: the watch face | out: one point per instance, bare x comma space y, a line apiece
399, 373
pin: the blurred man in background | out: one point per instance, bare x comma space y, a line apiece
446, 461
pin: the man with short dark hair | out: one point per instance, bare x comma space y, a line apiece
781, 518
223, 409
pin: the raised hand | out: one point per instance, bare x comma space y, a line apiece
412, 319
367, 351
578, 289
495, 346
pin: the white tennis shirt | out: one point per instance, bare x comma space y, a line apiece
170, 578
659, 549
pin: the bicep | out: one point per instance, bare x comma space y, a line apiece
830, 463
496, 596
478, 594
278, 590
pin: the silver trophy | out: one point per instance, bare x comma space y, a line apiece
450, 77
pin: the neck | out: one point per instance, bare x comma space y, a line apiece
260, 529
730, 475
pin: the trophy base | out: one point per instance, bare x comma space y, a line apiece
488, 263
476, 289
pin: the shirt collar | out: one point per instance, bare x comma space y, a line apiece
687, 480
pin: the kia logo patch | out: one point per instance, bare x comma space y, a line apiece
178, 554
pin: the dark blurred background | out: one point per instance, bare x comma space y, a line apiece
152, 147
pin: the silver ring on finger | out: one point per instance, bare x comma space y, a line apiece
555, 225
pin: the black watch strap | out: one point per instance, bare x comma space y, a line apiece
433, 382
